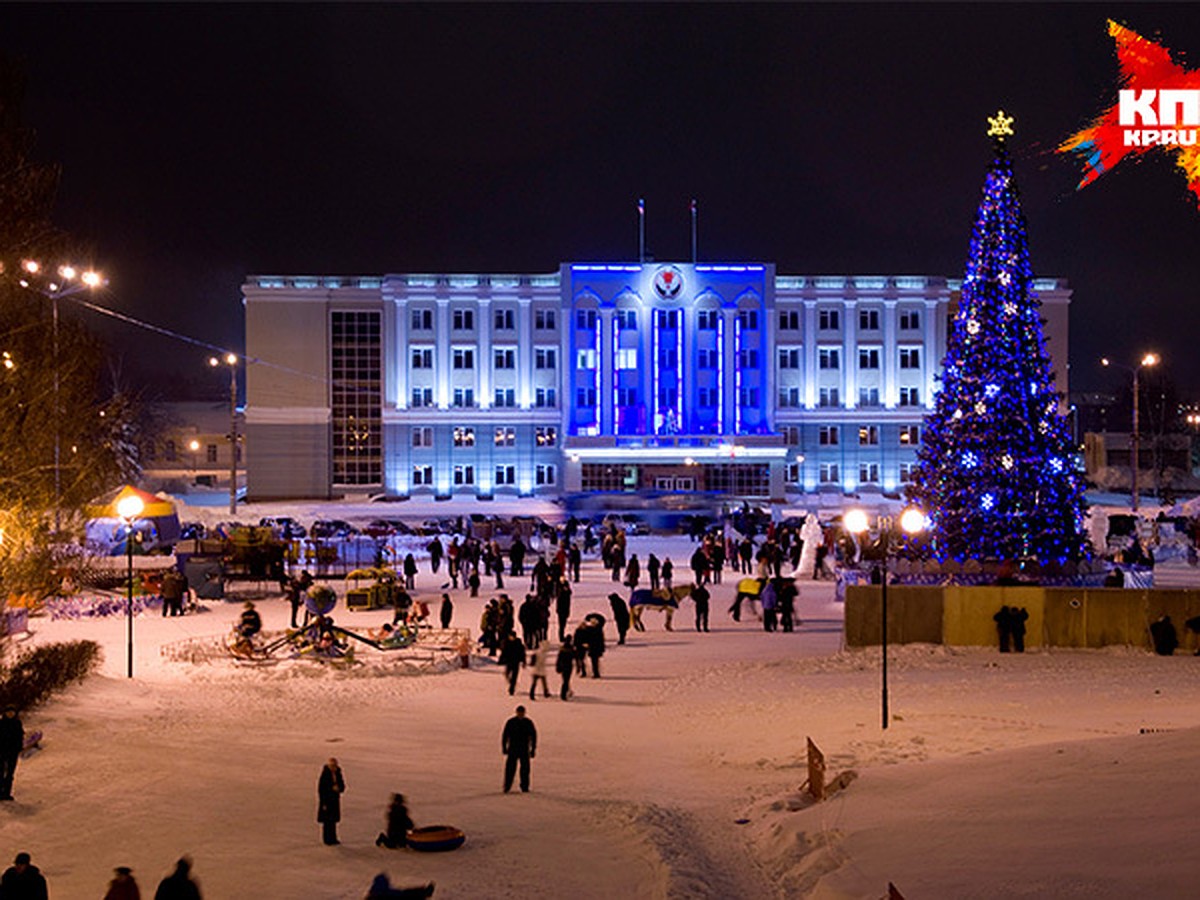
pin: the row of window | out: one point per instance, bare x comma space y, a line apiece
464, 436
545, 358
463, 319
831, 397
828, 319
830, 473
868, 435
171, 452
463, 475
830, 358
464, 397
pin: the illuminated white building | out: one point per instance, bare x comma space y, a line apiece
598, 377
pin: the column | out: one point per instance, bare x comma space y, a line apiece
931, 351
441, 364
729, 398
890, 353
605, 362
400, 356
484, 350
850, 355
524, 352
810, 354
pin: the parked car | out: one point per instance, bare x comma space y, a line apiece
332, 528
284, 526
382, 528
630, 523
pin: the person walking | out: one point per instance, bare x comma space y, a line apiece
512, 657
537, 666
179, 885
12, 742
562, 606
518, 743
667, 572
330, 788
399, 824
446, 613
565, 666
173, 587
621, 618
123, 886
700, 597
410, 572
23, 880
653, 570
633, 572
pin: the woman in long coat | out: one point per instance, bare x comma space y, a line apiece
329, 797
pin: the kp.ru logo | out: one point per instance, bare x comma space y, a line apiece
1157, 110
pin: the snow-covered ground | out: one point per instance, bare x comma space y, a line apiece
676, 775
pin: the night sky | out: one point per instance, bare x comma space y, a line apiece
200, 143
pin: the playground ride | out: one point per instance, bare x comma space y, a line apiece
662, 600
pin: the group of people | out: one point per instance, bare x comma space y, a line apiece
25, 881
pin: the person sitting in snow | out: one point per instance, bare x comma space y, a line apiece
250, 623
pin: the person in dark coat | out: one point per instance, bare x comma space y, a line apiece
621, 616
562, 606
179, 885
1017, 620
174, 586
330, 788
652, 569
786, 598
436, 551
250, 622
23, 880
564, 665
446, 613
1166, 639
12, 742
399, 824
589, 642
123, 886
1003, 620
410, 572
518, 743
700, 597
512, 657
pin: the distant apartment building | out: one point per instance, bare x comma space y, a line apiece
599, 377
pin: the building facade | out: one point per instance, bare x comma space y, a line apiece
600, 377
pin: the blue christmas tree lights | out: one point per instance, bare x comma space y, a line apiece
994, 472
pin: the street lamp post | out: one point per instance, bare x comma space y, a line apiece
912, 521
231, 360
193, 446
72, 282
1147, 361
129, 508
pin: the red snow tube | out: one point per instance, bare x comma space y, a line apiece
434, 838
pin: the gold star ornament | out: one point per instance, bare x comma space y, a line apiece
1001, 126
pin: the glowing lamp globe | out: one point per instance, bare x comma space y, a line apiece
129, 508
913, 521
855, 521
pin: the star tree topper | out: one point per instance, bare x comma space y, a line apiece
1001, 125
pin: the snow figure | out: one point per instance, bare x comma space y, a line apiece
1098, 529
812, 536
996, 472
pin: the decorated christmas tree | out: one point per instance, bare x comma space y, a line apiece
995, 472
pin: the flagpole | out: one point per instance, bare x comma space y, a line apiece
693, 231
641, 230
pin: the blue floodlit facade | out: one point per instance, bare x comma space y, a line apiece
600, 377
